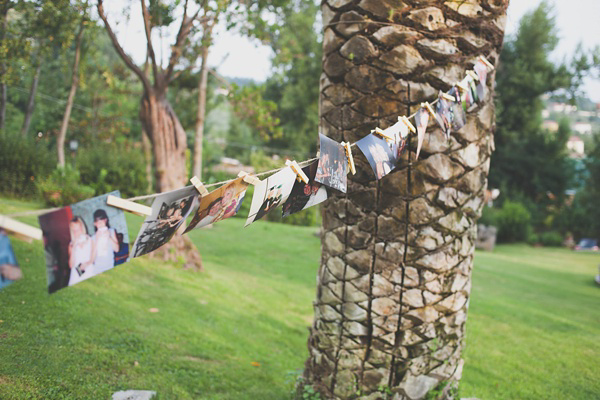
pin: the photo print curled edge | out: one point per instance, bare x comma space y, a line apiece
270, 193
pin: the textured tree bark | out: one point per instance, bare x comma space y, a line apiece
397, 254
31, 101
148, 159
60, 141
168, 141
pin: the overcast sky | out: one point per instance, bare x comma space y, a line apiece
235, 56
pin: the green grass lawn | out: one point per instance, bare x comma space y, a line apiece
533, 329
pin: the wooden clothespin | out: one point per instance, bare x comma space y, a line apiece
127, 205
249, 179
301, 176
429, 108
348, 149
407, 123
486, 62
381, 133
20, 230
199, 186
462, 86
447, 97
473, 75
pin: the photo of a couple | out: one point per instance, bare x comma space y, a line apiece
382, 156
220, 204
332, 169
83, 240
169, 211
443, 115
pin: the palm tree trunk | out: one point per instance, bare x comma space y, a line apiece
31, 102
395, 275
60, 142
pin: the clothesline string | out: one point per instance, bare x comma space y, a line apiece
153, 195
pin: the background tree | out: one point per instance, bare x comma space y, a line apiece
60, 142
395, 274
159, 120
294, 85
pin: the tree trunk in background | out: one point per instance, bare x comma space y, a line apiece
168, 146
60, 141
395, 275
31, 102
168, 141
202, 88
147, 147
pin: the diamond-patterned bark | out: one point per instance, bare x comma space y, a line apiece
395, 277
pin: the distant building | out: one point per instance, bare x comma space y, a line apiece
551, 126
576, 146
562, 108
582, 128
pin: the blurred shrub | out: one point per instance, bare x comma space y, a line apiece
22, 163
308, 217
108, 167
533, 238
488, 216
551, 239
63, 187
513, 222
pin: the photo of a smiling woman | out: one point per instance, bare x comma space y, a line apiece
105, 243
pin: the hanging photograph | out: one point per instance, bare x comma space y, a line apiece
83, 240
459, 116
481, 70
382, 156
169, 211
474, 92
332, 169
271, 192
9, 268
305, 195
400, 132
443, 115
220, 204
421, 121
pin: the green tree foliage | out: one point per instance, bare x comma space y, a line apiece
22, 164
529, 163
294, 85
513, 222
582, 218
